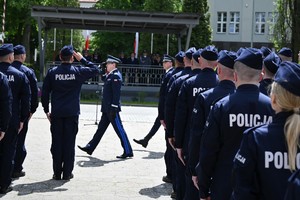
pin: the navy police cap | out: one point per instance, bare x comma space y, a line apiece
265, 50
196, 55
210, 53
251, 57
19, 49
286, 52
241, 49
67, 50
272, 62
189, 52
288, 76
167, 58
6, 49
227, 58
112, 59
179, 56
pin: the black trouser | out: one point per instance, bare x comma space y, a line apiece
20, 149
7, 152
102, 126
154, 129
64, 131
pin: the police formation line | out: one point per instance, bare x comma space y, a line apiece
207, 101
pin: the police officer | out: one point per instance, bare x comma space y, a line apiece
270, 66
227, 120
63, 83
5, 105
110, 110
19, 59
203, 104
265, 51
20, 111
204, 80
293, 188
286, 54
272, 149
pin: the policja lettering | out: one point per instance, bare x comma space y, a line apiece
248, 120
198, 90
65, 77
11, 78
279, 160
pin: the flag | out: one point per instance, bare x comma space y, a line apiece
87, 43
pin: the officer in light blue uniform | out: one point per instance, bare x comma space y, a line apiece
202, 81
293, 188
204, 103
20, 57
110, 110
227, 120
5, 105
270, 153
63, 83
270, 66
19, 85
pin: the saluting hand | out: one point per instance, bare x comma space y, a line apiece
77, 55
2, 135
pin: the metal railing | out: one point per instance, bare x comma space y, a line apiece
133, 75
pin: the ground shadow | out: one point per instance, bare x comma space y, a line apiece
152, 154
94, 162
155, 192
40, 187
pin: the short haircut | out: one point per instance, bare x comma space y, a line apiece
65, 58
246, 73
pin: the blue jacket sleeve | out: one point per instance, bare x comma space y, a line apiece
116, 91
25, 99
46, 90
162, 97
5, 103
34, 91
170, 106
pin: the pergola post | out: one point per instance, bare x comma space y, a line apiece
41, 49
188, 38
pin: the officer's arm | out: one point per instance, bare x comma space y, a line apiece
209, 150
46, 90
34, 92
116, 91
161, 102
170, 106
244, 182
25, 98
5, 104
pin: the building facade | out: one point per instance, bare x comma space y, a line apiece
242, 23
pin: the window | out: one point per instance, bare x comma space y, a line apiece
234, 25
272, 18
222, 22
260, 22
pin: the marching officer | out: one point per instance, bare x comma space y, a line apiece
227, 120
204, 103
64, 83
19, 85
110, 110
19, 59
272, 149
5, 105
270, 66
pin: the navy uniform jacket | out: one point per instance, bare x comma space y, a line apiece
293, 188
5, 102
64, 84
265, 86
112, 91
261, 169
34, 103
19, 85
202, 106
162, 94
188, 93
179, 71
222, 135
171, 98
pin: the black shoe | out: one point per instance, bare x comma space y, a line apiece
5, 190
67, 178
173, 195
56, 177
124, 156
18, 174
142, 142
166, 179
85, 149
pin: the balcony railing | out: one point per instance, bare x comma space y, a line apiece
133, 75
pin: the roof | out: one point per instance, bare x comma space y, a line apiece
114, 20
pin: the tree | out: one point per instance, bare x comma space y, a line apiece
201, 34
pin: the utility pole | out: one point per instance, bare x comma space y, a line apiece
3, 22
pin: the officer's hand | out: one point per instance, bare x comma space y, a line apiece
180, 155
195, 181
207, 198
113, 112
48, 116
21, 127
162, 122
2, 135
172, 142
103, 68
77, 55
